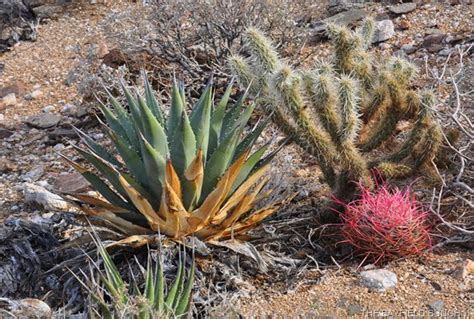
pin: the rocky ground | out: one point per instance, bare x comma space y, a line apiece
39, 102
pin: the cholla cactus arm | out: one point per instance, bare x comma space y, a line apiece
366, 32
425, 151
346, 46
286, 85
240, 68
349, 109
322, 94
264, 56
393, 170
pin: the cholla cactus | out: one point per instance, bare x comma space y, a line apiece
357, 100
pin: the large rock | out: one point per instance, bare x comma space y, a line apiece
43, 120
384, 30
35, 194
9, 100
71, 183
346, 18
403, 8
26, 308
378, 279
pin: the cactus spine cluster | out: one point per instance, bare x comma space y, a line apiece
344, 108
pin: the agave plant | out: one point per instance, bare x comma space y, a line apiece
115, 298
178, 174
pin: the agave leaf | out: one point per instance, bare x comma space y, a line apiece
194, 176
185, 297
121, 224
249, 166
97, 148
155, 168
183, 148
251, 138
219, 162
174, 290
237, 196
264, 161
217, 119
201, 216
105, 169
231, 116
201, 119
152, 102
100, 185
113, 122
149, 283
173, 179
154, 132
134, 108
131, 159
159, 298
125, 121
175, 113
142, 204
176, 215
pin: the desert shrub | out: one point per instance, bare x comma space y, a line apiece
385, 224
179, 174
343, 110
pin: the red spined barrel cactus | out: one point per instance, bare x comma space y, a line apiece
385, 224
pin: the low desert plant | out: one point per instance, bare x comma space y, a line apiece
344, 108
178, 174
115, 298
385, 224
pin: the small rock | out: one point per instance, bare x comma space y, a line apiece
103, 50
6, 165
404, 24
34, 174
26, 308
384, 30
35, 194
403, 8
33, 95
43, 120
355, 309
436, 306
408, 48
48, 109
384, 46
60, 132
4, 133
9, 99
434, 48
445, 52
115, 58
59, 147
378, 279
16, 87
466, 268
71, 182
435, 38
69, 109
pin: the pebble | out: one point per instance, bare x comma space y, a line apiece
48, 109
59, 147
378, 279
9, 99
26, 308
43, 120
34, 174
436, 306
33, 95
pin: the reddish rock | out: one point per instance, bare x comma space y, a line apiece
16, 88
115, 58
404, 24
